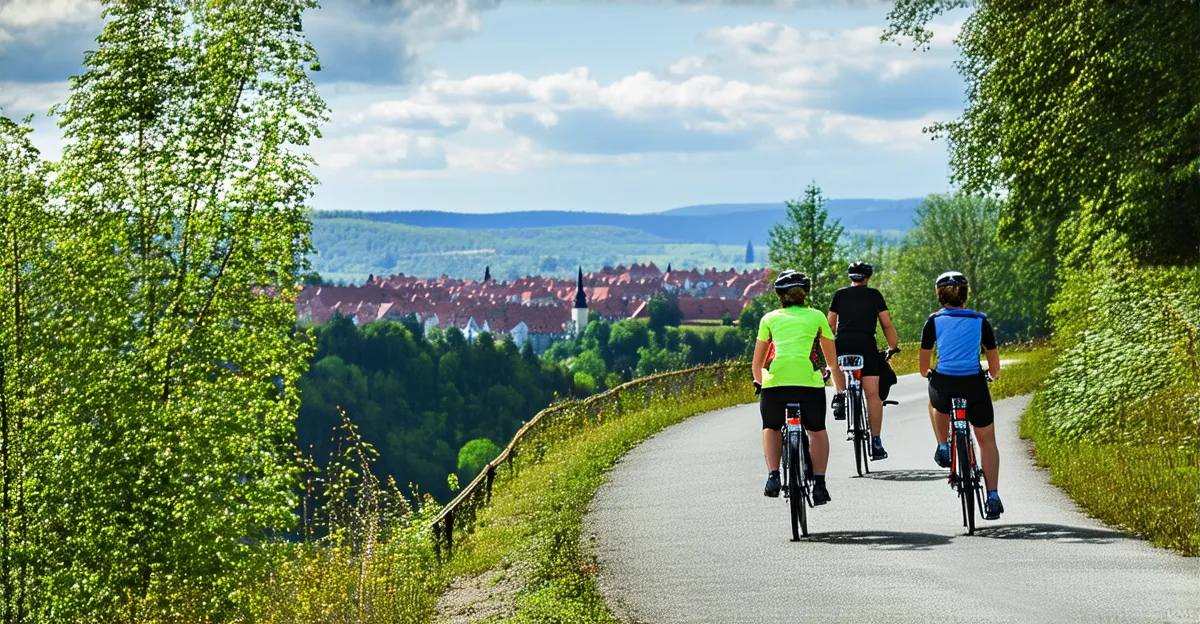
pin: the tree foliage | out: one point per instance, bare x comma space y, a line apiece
24, 365
1011, 282
1085, 114
418, 400
177, 236
474, 455
809, 242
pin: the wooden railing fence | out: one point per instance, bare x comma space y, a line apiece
558, 421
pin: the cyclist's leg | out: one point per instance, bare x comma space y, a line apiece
772, 448
771, 408
990, 455
982, 416
812, 411
874, 403
939, 414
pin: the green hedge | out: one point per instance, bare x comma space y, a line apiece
1118, 423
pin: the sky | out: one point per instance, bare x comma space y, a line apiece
604, 105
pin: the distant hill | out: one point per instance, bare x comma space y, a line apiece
728, 224
351, 245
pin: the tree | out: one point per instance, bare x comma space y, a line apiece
474, 455
1083, 112
808, 242
1009, 282
25, 364
589, 362
180, 244
663, 313
585, 384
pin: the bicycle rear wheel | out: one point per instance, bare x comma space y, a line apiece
968, 483
796, 495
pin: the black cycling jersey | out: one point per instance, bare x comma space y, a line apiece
858, 309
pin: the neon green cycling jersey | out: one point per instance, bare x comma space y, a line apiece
794, 330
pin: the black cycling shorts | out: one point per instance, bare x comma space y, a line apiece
860, 344
772, 405
973, 388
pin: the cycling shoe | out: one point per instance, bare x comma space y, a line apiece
773, 485
839, 406
820, 495
877, 451
992, 508
942, 455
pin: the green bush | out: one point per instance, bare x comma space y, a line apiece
1118, 424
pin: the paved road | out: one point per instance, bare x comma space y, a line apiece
684, 534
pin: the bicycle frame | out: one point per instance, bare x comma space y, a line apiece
795, 470
857, 425
966, 485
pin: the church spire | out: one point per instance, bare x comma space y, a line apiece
487, 273
580, 297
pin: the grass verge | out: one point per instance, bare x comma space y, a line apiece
532, 527
1145, 480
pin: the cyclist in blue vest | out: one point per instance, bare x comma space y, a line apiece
958, 334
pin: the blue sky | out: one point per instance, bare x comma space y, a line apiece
629, 106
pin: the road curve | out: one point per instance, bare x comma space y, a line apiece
683, 534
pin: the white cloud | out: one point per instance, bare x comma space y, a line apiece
37, 13
382, 149
902, 134
686, 66
20, 98
805, 57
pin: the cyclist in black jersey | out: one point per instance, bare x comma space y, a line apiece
854, 312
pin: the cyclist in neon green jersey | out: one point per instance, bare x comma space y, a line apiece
794, 376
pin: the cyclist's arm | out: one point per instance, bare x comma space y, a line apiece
832, 318
990, 350
889, 330
924, 358
760, 358
928, 340
993, 358
829, 349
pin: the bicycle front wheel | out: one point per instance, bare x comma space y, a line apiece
967, 481
854, 403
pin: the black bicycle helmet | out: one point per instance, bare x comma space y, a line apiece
951, 278
860, 271
792, 279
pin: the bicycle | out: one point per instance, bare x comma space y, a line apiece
858, 429
965, 473
796, 470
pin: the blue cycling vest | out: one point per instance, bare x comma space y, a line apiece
959, 339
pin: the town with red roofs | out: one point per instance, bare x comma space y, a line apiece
539, 309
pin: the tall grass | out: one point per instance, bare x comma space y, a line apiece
1118, 424
532, 527
366, 553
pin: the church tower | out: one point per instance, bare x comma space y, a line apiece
579, 313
